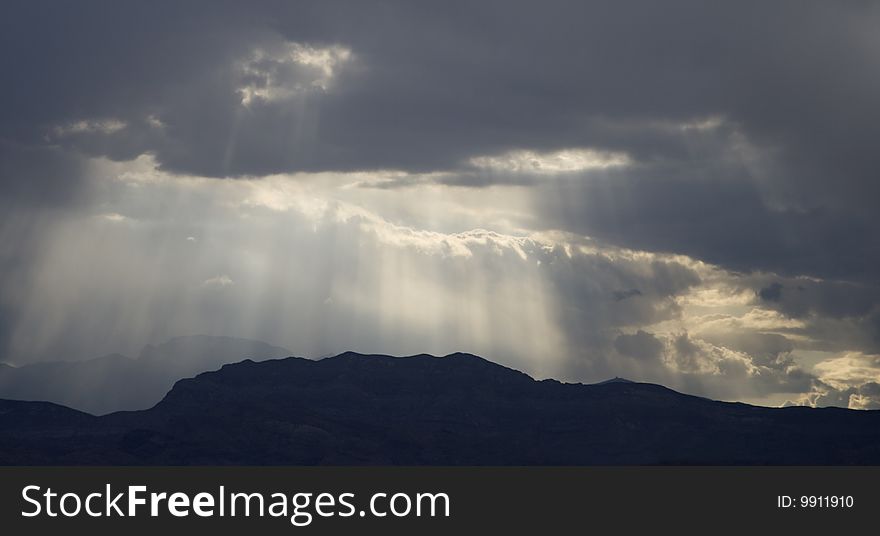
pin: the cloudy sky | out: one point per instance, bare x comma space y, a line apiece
676, 192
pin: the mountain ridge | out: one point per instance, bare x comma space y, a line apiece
356, 409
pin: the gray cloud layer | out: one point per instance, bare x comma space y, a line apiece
741, 135
427, 88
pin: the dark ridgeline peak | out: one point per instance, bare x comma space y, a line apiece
616, 379
355, 409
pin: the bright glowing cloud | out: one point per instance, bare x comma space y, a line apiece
89, 126
282, 71
548, 163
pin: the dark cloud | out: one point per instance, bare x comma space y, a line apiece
720, 220
624, 294
765, 349
781, 181
772, 292
833, 315
640, 345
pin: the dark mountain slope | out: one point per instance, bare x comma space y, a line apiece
460, 409
42, 432
116, 382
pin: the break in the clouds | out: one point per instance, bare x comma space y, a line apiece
678, 192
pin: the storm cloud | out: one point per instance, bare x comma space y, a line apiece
680, 192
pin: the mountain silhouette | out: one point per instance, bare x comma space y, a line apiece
460, 409
615, 379
115, 382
